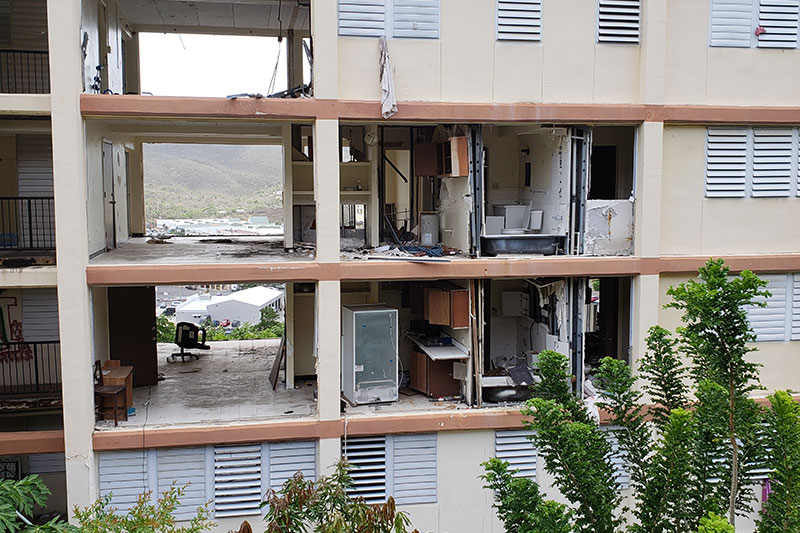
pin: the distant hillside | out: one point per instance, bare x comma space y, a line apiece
196, 180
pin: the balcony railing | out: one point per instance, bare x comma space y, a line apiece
30, 368
24, 72
27, 223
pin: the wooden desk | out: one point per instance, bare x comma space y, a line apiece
121, 375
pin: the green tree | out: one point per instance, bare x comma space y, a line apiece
323, 506
663, 374
145, 516
18, 500
521, 505
165, 329
781, 512
713, 523
715, 335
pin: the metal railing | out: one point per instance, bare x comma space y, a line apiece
24, 72
30, 368
27, 223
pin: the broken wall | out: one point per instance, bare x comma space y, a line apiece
609, 227
455, 212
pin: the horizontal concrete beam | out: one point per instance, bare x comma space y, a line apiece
28, 277
25, 104
119, 275
309, 109
22, 442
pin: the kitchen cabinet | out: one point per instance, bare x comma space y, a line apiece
433, 378
449, 159
447, 306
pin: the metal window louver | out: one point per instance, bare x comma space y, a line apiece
515, 447
519, 20
726, 162
618, 21
237, 480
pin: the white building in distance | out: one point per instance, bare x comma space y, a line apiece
244, 306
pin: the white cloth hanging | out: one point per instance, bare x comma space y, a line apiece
388, 98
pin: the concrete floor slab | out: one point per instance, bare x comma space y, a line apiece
229, 383
202, 250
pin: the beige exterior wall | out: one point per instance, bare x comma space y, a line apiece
699, 74
692, 224
781, 368
468, 64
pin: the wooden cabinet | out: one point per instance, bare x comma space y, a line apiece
433, 378
449, 159
447, 306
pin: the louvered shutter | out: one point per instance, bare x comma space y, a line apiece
414, 469
288, 458
35, 179
726, 162
40, 315
124, 475
5, 23
618, 21
367, 455
519, 20
618, 459
29, 25
418, 19
769, 323
795, 307
779, 19
46, 463
237, 480
732, 23
772, 162
362, 18
184, 466
515, 447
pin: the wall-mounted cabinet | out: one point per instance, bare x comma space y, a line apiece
447, 305
449, 159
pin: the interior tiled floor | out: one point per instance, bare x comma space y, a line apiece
229, 383
408, 401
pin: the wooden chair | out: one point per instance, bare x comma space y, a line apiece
109, 399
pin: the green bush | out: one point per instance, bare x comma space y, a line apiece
165, 329
713, 523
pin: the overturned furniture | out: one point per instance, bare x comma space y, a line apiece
189, 336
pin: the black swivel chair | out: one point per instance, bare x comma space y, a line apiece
189, 336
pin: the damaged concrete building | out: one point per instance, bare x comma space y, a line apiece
530, 175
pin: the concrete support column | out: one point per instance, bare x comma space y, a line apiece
646, 297
136, 180
294, 59
288, 188
329, 349
330, 450
288, 315
326, 189
326, 50
74, 301
653, 57
374, 208
647, 222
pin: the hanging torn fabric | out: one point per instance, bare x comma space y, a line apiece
388, 98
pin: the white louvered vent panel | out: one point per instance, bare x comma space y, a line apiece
779, 19
40, 315
732, 23
418, 19
618, 460
769, 323
772, 162
796, 307
514, 447
237, 480
414, 469
46, 463
519, 20
368, 457
124, 476
618, 21
288, 458
362, 18
726, 162
184, 466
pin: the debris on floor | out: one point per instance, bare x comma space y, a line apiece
409, 252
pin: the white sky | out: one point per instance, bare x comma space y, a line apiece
209, 65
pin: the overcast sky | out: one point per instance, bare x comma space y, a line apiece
209, 65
